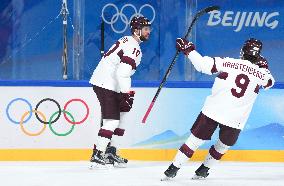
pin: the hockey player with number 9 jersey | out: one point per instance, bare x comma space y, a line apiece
234, 92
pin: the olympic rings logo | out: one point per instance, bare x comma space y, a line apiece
26, 116
120, 14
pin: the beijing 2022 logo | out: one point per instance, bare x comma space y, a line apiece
119, 20
41, 117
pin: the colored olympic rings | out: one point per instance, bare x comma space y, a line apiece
42, 118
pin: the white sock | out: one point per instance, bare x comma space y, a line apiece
221, 148
116, 140
110, 125
192, 143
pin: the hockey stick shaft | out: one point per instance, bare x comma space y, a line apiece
200, 13
102, 38
102, 52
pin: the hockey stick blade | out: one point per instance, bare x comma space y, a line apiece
165, 178
211, 8
148, 112
197, 15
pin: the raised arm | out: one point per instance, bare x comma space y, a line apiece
202, 64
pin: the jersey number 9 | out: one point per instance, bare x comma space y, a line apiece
242, 81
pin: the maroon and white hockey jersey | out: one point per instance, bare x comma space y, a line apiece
234, 90
118, 65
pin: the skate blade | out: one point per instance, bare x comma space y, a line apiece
120, 165
98, 166
166, 178
195, 177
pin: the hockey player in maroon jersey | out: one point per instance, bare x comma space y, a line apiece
233, 94
111, 82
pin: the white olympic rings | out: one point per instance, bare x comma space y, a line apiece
123, 17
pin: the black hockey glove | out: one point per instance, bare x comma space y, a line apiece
184, 46
126, 101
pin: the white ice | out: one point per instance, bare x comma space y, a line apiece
137, 173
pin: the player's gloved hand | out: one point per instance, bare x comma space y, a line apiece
126, 101
184, 46
262, 62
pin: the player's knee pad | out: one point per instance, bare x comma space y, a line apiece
218, 150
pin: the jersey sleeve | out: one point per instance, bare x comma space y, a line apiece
207, 65
130, 56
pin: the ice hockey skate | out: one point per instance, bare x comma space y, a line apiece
111, 157
97, 160
201, 173
171, 172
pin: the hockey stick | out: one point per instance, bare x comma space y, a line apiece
200, 13
102, 53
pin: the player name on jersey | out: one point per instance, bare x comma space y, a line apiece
245, 68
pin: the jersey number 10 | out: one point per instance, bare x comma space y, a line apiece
116, 45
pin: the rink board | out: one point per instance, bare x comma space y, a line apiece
166, 128
136, 154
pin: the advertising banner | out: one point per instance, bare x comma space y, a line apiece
31, 118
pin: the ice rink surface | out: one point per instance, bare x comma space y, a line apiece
137, 174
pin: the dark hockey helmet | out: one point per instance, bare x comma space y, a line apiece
138, 22
251, 50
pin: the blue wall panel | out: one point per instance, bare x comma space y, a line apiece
31, 35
